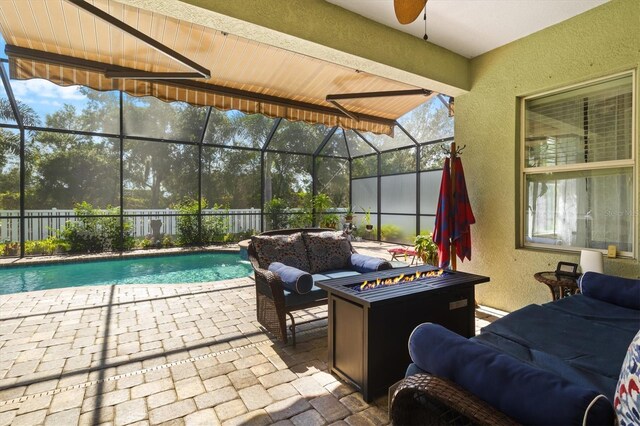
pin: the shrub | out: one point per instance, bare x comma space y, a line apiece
167, 241
390, 232
214, 227
277, 213
188, 225
10, 248
90, 234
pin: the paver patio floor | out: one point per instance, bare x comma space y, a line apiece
165, 354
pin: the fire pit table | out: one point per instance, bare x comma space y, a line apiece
372, 315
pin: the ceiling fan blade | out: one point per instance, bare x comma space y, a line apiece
408, 10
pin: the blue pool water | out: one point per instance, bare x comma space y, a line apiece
183, 268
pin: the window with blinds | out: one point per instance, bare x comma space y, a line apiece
578, 167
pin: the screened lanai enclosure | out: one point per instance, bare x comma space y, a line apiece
86, 170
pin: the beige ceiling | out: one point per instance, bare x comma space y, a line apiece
246, 75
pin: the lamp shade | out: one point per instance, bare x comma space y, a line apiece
591, 260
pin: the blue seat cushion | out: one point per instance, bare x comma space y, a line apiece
319, 277
340, 273
608, 288
583, 351
292, 299
527, 394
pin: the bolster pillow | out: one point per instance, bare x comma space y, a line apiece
616, 290
525, 393
363, 264
293, 279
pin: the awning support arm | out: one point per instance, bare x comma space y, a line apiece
390, 93
200, 71
333, 99
345, 111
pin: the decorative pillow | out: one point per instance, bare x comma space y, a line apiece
527, 394
608, 288
363, 263
287, 249
627, 398
327, 250
293, 279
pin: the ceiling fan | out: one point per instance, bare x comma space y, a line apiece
408, 11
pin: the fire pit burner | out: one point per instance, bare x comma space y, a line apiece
418, 276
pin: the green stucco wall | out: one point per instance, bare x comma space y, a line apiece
602, 41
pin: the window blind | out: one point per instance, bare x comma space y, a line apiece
582, 125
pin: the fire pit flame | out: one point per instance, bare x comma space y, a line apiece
402, 278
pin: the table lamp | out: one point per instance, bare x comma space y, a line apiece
591, 260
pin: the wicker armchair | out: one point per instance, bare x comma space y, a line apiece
271, 305
423, 399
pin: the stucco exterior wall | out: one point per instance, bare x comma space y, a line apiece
600, 42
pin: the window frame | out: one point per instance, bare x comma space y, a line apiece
630, 163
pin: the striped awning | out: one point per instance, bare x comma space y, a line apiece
246, 75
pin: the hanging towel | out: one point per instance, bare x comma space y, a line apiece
442, 230
463, 215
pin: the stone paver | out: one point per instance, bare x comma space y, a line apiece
172, 411
287, 408
55, 340
201, 418
330, 408
131, 411
161, 398
67, 417
309, 417
255, 397
188, 388
230, 409
211, 399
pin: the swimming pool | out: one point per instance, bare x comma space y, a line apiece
179, 268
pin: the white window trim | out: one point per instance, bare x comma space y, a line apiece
632, 163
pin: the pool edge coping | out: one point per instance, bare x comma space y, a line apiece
81, 258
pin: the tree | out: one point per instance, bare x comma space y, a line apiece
9, 152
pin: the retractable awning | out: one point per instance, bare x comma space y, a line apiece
63, 43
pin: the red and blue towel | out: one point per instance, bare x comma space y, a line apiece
453, 222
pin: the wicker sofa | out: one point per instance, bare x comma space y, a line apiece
309, 250
557, 363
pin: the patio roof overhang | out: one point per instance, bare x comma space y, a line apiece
68, 45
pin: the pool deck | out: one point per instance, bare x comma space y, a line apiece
187, 354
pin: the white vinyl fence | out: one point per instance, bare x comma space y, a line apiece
40, 228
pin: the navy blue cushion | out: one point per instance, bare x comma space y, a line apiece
525, 393
364, 264
340, 273
292, 299
617, 290
319, 277
293, 279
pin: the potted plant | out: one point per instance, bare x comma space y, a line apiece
367, 219
348, 216
330, 221
427, 250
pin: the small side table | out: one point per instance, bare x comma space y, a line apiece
560, 286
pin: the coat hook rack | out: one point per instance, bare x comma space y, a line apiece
447, 150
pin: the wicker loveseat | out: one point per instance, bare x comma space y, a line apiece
560, 363
322, 253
